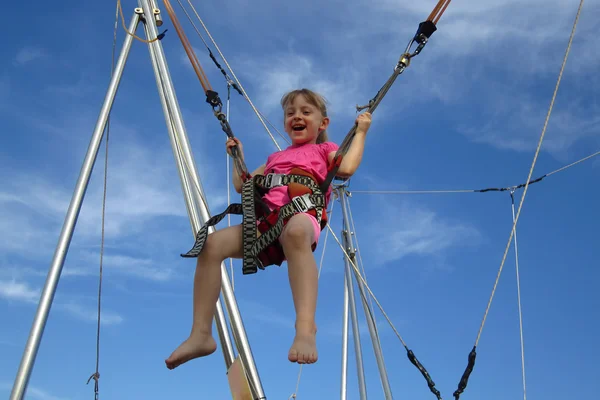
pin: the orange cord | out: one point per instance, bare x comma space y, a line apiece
188, 48
439, 9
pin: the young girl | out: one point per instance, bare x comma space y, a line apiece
306, 122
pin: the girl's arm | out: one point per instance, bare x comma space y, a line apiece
353, 157
237, 181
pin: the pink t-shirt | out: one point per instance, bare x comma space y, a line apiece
312, 158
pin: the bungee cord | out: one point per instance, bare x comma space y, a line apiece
493, 189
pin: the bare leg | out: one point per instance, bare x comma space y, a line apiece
296, 240
219, 245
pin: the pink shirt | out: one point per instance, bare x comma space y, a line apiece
312, 158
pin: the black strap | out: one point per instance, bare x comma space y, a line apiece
253, 246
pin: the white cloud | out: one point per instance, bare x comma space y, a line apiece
33, 393
142, 268
21, 291
18, 291
28, 54
404, 229
262, 313
277, 74
107, 317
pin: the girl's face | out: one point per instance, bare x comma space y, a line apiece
304, 121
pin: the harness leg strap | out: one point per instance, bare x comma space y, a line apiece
203, 232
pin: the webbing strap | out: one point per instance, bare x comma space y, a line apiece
253, 246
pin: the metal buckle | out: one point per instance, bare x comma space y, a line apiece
273, 180
303, 203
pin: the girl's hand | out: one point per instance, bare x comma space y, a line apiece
232, 143
363, 122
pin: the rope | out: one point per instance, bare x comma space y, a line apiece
188, 48
512, 232
574, 163
259, 115
510, 188
367, 287
512, 197
120, 10
437, 12
360, 261
96, 375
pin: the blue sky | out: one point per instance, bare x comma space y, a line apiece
467, 114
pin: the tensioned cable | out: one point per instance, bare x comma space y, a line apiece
464, 379
512, 198
96, 375
236, 85
234, 76
512, 232
360, 262
477, 190
120, 11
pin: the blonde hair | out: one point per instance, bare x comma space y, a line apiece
312, 98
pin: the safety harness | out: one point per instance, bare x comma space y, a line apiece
260, 251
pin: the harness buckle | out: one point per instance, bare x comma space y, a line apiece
273, 180
303, 203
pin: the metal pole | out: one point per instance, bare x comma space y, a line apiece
220, 320
239, 332
344, 386
41, 317
362, 386
368, 312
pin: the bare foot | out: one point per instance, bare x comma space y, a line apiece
198, 345
304, 348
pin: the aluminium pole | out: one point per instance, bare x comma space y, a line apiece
239, 332
220, 320
368, 312
64, 241
362, 386
344, 385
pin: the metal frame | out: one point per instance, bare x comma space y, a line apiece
350, 308
194, 197
198, 213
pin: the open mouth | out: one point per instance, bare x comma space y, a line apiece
298, 128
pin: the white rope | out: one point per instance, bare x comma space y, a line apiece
465, 190
360, 261
537, 152
258, 114
413, 191
519, 302
367, 286
574, 163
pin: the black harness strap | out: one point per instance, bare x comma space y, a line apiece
251, 194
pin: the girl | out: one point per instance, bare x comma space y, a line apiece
306, 122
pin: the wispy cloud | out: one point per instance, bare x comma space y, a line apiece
18, 291
143, 268
404, 228
23, 292
28, 54
265, 314
278, 73
107, 317
33, 392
